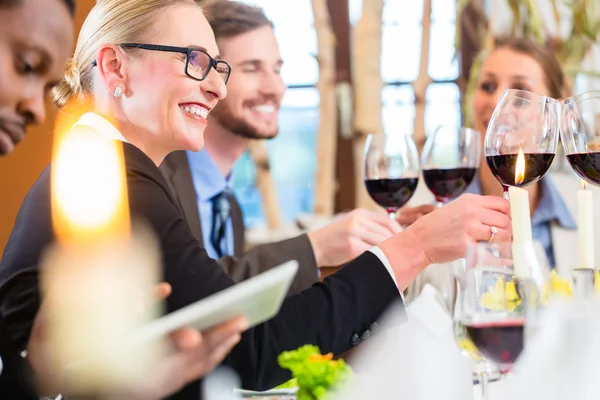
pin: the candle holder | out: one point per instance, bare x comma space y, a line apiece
586, 282
95, 297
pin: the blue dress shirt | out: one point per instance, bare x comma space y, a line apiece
209, 182
550, 208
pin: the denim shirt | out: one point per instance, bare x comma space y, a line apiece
550, 208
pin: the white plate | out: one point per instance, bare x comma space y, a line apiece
272, 392
258, 299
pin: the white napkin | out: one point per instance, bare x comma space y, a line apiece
561, 360
419, 360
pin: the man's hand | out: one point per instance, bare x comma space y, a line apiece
350, 235
407, 216
443, 235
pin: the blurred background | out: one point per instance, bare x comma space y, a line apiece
398, 67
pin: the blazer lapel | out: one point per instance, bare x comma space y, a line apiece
237, 221
176, 170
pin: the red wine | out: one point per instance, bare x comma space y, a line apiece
587, 166
501, 342
503, 167
448, 183
391, 193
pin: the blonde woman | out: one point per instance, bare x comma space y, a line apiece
153, 67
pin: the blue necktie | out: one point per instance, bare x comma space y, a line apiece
221, 212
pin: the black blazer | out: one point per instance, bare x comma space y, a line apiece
334, 315
15, 378
243, 265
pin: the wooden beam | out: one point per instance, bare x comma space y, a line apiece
345, 162
265, 184
325, 186
472, 31
423, 80
367, 89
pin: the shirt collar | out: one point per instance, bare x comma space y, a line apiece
550, 208
208, 180
100, 125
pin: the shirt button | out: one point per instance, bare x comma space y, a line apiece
366, 334
373, 326
355, 340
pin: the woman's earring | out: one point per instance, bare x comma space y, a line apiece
118, 91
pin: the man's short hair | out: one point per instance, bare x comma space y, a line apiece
11, 3
233, 18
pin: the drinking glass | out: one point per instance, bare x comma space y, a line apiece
391, 170
450, 160
464, 342
521, 138
501, 283
580, 135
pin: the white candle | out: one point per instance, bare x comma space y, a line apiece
96, 297
585, 227
520, 215
521, 229
99, 279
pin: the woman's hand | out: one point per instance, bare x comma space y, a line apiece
194, 354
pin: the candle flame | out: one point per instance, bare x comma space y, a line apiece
584, 184
520, 168
89, 195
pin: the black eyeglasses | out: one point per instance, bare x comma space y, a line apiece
197, 62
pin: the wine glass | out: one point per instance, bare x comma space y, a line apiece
462, 338
521, 138
391, 170
450, 160
502, 281
580, 135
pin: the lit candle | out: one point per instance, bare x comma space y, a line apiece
585, 227
521, 220
98, 280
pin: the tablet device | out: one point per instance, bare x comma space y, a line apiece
258, 299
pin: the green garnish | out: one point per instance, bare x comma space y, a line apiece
318, 376
292, 383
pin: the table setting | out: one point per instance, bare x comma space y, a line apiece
497, 323
500, 322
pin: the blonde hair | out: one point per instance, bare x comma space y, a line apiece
110, 21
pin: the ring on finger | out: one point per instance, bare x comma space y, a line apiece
494, 231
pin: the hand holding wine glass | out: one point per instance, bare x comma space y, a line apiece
450, 160
524, 131
391, 170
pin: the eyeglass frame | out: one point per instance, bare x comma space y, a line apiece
182, 50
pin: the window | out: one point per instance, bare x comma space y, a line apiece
400, 60
293, 152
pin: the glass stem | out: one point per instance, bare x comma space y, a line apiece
440, 202
505, 193
392, 214
483, 382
